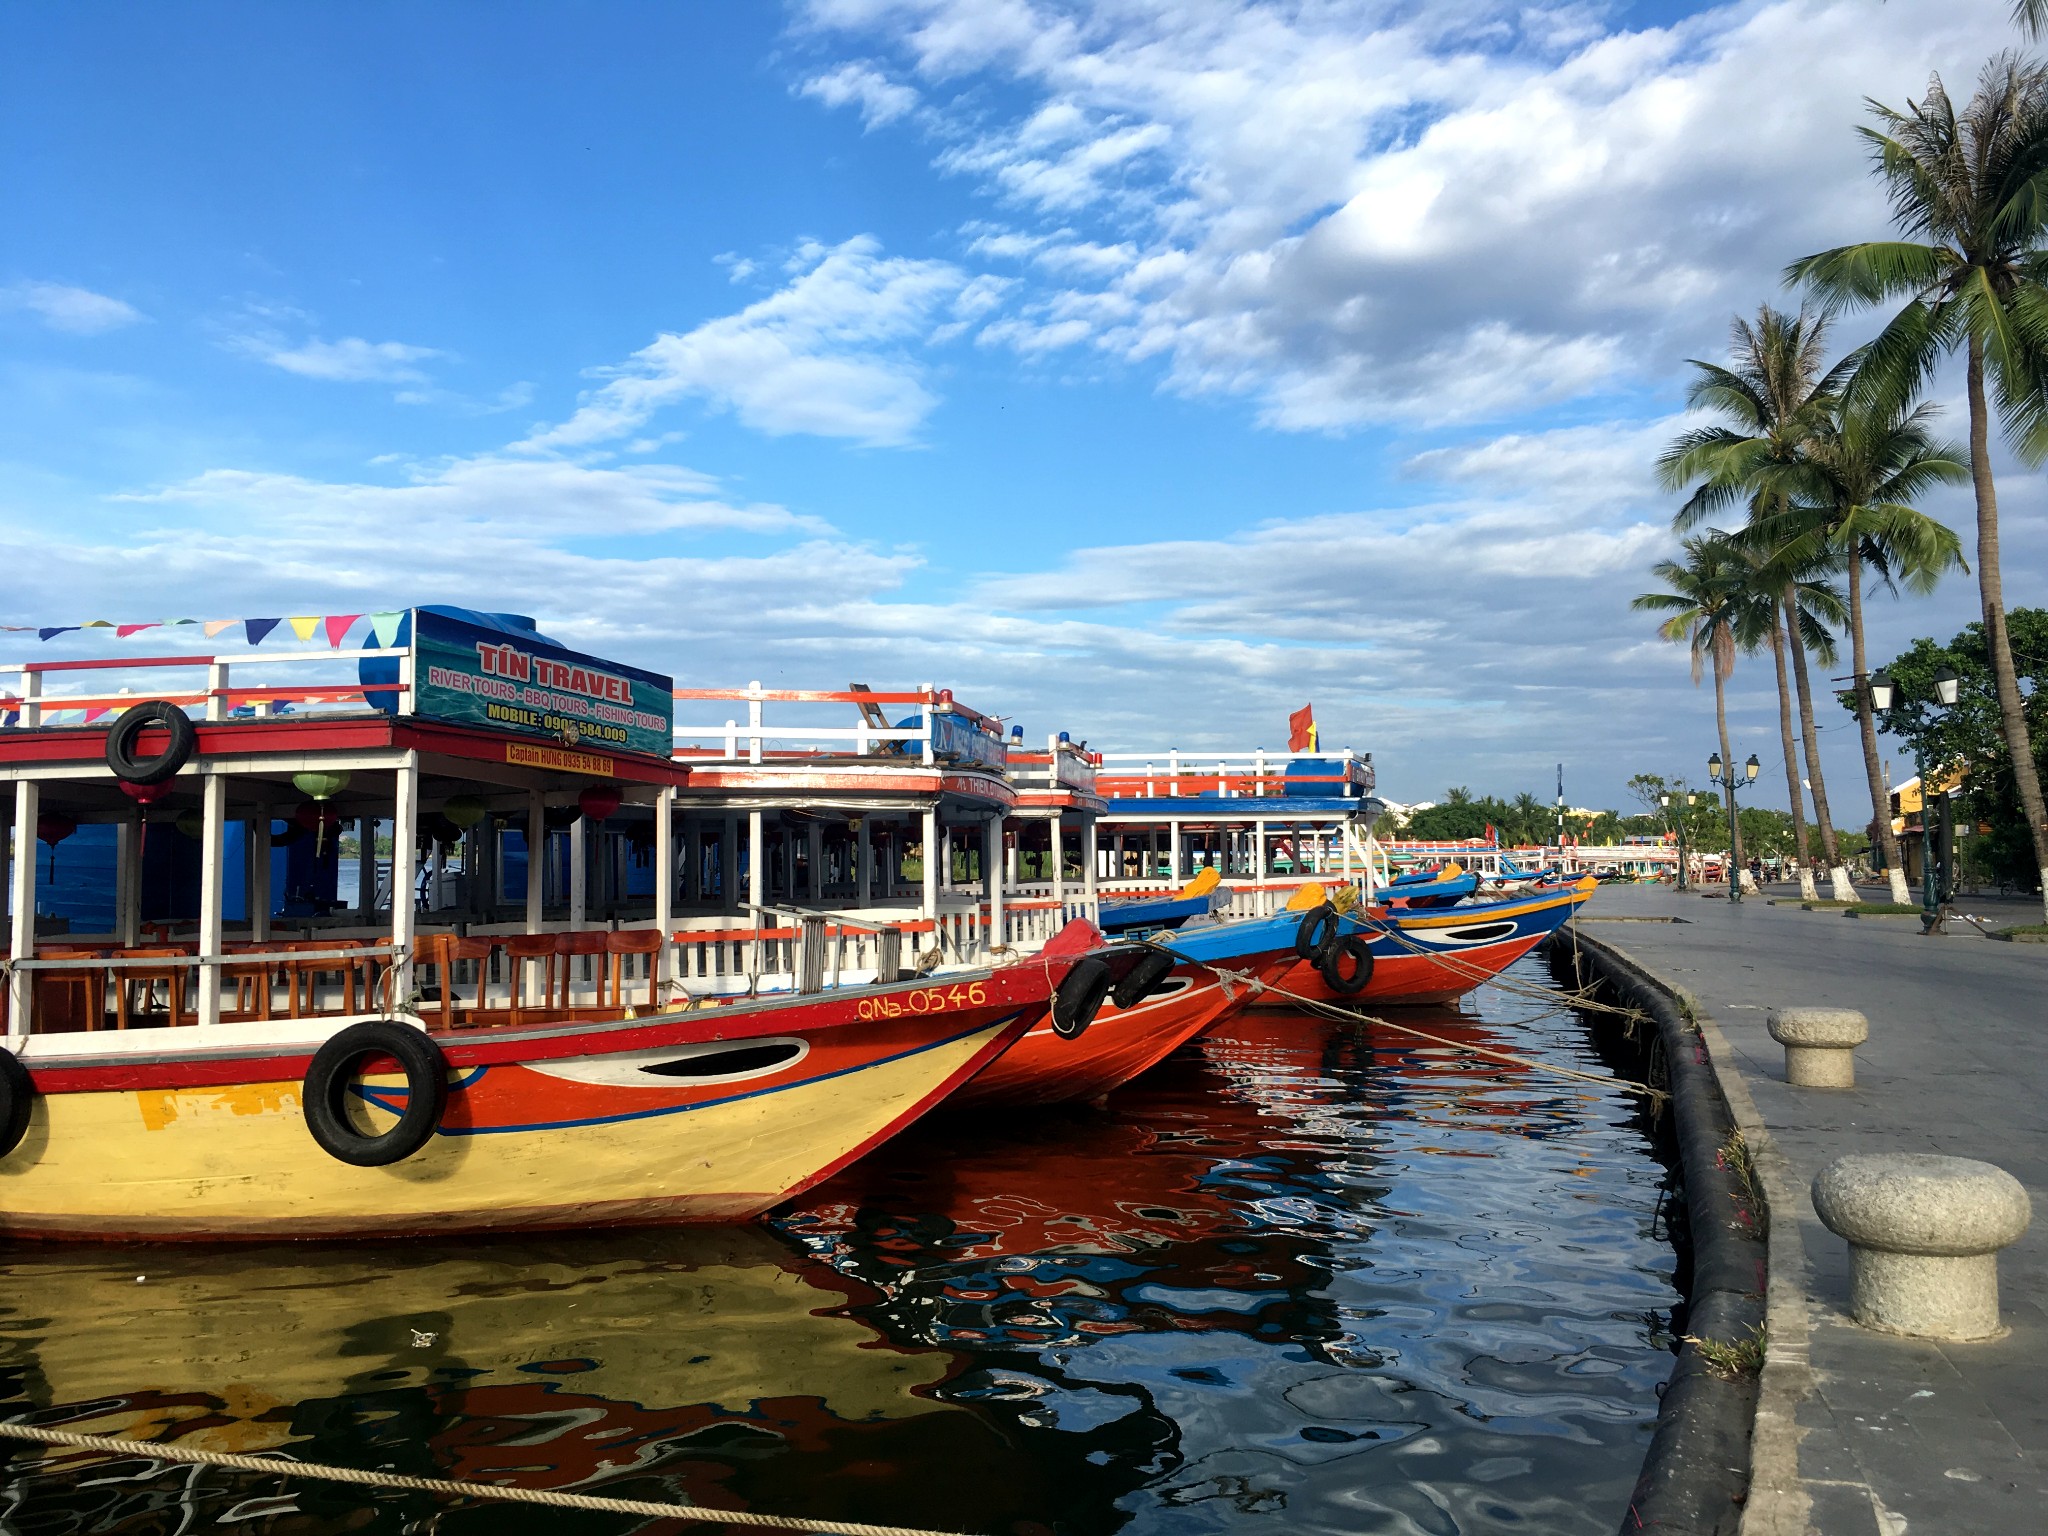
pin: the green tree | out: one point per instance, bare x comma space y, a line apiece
1453, 821
1852, 501
1969, 191
1773, 398
1707, 607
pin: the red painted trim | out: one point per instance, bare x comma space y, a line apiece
121, 663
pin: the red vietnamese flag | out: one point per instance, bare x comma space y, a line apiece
1301, 729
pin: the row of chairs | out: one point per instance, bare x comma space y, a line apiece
548, 957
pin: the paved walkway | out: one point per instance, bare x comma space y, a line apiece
1900, 1436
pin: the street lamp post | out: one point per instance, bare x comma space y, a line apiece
1882, 693
1714, 771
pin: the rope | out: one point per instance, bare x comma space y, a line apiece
278, 1466
1352, 1016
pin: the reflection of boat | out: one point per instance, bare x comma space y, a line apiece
1043, 1068
1435, 956
559, 1365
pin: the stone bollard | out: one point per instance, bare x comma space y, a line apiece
1820, 1044
1924, 1234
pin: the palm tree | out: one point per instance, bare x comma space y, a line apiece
1709, 612
1774, 397
1970, 193
1850, 500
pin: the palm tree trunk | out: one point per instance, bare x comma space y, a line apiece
1728, 774
1991, 588
1806, 887
1838, 872
1880, 801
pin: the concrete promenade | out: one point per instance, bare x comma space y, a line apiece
1894, 1436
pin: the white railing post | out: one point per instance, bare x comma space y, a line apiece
1259, 774
31, 711
732, 741
754, 721
408, 678
22, 938
216, 684
405, 833
1173, 771
212, 858
924, 719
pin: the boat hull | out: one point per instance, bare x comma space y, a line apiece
556, 1126
1435, 956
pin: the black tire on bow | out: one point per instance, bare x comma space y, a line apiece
17, 1100
1347, 983
330, 1080
127, 732
1316, 933
1079, 998
1143, 980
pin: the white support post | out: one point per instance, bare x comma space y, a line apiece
536, 863
757, 878
216, 684
664, 885
814, 862
1261, 904
405, 833
928, 908
864, 864
754, 726
1092, 858
22, 896
579, 872
992, 877
1173, 852
1013, 857
729, 864
260, 898
1059, 864
128, 884
946, 858
366, 868
212, 884
1173, 771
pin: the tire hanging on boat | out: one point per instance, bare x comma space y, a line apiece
1143, 980
17, 1100
127, 731
1352, 946
1079, 998
329, 1081
1316, 933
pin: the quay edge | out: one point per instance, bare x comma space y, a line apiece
1697, 1476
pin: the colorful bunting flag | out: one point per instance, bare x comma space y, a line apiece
258, 628
123, 631
384, 627
215, 626
303, 625
338, 626
55, 630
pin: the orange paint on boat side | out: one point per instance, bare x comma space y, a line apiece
1043, 1068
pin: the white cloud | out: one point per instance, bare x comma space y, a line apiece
350, 360
1353, 213
78, 311
879, 99
828, 354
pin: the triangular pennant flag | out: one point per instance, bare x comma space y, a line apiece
94, 714
215, 626
258, 628
304, 625
123, 631
97, 624
174, 623
384, 627
338, 626
56, 630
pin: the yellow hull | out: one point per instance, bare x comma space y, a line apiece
238, 1161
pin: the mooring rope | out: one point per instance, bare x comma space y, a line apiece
1354, 1016
278, 1466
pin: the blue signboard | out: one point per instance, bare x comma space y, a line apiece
506, 681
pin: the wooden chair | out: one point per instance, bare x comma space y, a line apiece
586, 944
306, 974
521, 950
444, 952
172, 974
252, 982
619, 945
68, 1000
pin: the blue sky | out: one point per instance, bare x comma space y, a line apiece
1132, 368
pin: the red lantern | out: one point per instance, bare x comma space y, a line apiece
144, 794
600, 800
53, 829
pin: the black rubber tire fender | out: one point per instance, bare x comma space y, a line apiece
327, 1087
1143, 980
1316, 933
1078, 998
127, 731
1356, 948
17, 1100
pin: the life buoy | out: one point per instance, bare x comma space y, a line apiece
328, 1084
1352, 946
1079, 997
1316, 932
128, 730
1146, 976
17, 1100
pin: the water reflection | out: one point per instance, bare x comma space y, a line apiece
1304, 1277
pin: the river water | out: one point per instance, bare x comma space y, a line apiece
1304, 1277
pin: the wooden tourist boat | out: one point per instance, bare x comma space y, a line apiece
354, 1084
1428, 956
1169, 1000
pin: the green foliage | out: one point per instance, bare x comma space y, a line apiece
1970, 733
